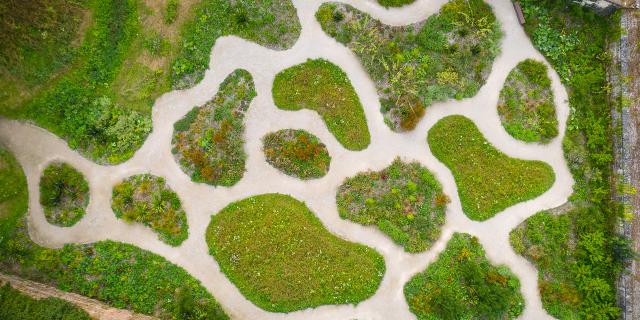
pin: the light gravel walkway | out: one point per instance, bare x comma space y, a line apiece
35, 147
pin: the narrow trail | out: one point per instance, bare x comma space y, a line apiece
35, 147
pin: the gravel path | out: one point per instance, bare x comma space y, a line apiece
35, 147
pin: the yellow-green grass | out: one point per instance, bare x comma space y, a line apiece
280, 256
488, 180
322, 86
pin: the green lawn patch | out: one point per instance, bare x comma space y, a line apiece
147, 199
572, 252
322, 86
297, 153
118, 274
449, 55
280, 256
17, 306
488, 180
526, 106
462, 284
404, 200
208, 142
64, 194
395, 3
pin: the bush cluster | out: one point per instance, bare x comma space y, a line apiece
208, 142
147, 199
449, 55
322, 86
64, 194
462, 284
404, 200
297, 153
280, 256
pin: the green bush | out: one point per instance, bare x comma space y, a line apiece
322, 86
488, 180
280, 256
208, 142
404, 200
147, 199
171, 11
16, 306
462, 284
395, 3
118, 274
447, 56
64, 194
526, 105
297, 153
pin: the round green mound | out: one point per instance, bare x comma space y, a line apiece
297, 153
64, 194
462, 284
280, 256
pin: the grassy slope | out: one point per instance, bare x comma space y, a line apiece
17, 306
575, 40
462, 284
488, 180
148, 200
280, 256
322, 86
119, 274
404, 200
297, 153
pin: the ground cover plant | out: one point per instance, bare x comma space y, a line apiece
118, 274
297, 153
405, 201
462, 284
526, 106
575, 41
395, 3
64, 194
449, 55
208, 142
572, 255
147, 199
17, 306
280, 256
322, 86
488, 180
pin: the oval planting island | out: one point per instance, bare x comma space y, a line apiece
280, 256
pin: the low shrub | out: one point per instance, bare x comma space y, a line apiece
208, 142
280, 256
322, 86
462, 284
395, 3
64, 194
526, 106
147, 199
488, 180
402, 200
297, 153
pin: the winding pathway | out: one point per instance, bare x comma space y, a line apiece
35, 147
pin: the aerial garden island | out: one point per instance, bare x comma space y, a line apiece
308, 159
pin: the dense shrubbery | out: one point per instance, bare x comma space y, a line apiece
488, 180
16, 306
526, 105
280, 256
447, 56
271, 23
147, 199
119, 274
575, 41
322, 86
462, 284
64, 194
208, 142
404, 200
297, 153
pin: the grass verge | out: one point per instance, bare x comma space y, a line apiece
280, 256
488, 180
297, 153
17, 306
